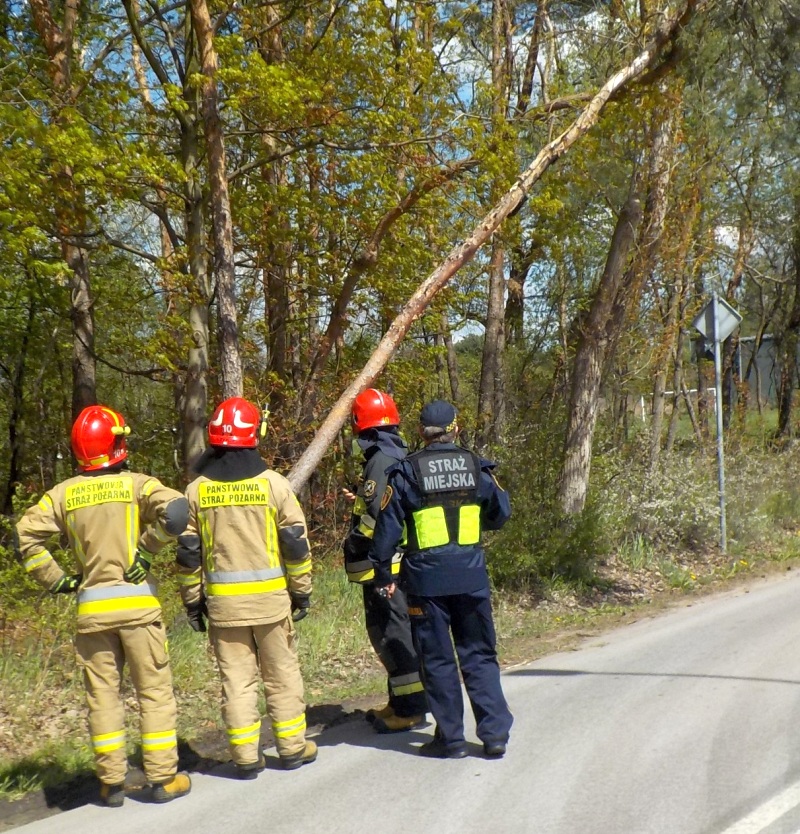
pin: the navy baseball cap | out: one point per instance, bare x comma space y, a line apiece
439, 413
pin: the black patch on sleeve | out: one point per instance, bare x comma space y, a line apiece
294, 544
176, 516
189, 552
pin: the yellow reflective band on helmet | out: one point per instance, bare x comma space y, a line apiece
469, 524
159, 741
108, 741
295, 569
232, 589
284, 729
431, 527
245, 735
38, 560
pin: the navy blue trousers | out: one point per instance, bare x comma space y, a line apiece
469, 618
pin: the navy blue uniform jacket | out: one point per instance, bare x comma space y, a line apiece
436, 571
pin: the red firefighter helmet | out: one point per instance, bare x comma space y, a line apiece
98, 438
373, 408
235, 424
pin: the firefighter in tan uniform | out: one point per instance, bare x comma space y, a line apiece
245, 564
114, 521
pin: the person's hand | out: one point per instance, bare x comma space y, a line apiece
197, 613
387, 591
349, 496
301, 603
139, 568
67, 584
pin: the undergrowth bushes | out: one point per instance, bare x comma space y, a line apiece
651, 515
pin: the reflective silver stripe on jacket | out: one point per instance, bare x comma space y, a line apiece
146, 589
225, 576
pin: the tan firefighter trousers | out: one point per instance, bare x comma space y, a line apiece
102, 655
242, 652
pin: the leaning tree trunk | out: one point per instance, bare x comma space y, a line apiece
228, 329
465, 251
587, 369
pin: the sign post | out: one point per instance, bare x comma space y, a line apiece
716, 321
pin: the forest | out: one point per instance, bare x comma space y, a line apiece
517, 206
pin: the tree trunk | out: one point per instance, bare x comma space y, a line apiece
15, 411
452, 361
70, 206
192, 395
589, 361
465, 251
790, 340
228, 329
661, 152
490, 391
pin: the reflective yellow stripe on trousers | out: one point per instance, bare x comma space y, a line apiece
159, 741
285, 729
107, 742
244, 735
405, 684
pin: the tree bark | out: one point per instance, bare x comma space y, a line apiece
452, 362
15, 411
466, 250
70, 206
491, 389
228, 329
661, 150
193, 393
790, 341
590, 360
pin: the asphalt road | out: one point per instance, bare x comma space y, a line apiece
686, 723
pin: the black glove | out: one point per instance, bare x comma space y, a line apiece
137, 572
197, 613
300, 605
67, 584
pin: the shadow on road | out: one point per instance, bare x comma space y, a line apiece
556, 673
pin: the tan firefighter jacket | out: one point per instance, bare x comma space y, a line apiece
245, 547
106, 519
